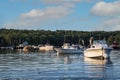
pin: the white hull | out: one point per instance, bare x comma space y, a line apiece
97, 52
68, 51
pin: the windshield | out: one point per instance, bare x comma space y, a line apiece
99, 42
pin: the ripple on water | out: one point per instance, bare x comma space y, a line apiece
49, 65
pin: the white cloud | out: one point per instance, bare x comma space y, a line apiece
38, 17
33, 14
110, 24
112, 21
49, 12
58, 9
106, 9
111, 15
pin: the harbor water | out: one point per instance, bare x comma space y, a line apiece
17, 65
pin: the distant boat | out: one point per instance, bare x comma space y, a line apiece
115, 46
21, 46
98, 48
30, 48
67, 48
46, 47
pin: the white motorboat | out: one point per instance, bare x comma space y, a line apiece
98, 48
67, 48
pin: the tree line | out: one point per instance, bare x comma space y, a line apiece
12, 37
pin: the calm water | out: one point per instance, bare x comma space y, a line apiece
15, 65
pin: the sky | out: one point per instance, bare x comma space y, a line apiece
80, 15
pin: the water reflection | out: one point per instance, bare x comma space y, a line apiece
50, 66
68, 58
94, 61
98, 68
6, 51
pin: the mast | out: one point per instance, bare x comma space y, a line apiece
65, 36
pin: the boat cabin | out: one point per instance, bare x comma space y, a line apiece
99, 44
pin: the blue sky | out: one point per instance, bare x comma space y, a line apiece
80, 15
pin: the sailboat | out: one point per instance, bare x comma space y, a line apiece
98, 48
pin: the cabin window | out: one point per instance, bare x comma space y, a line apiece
93, 46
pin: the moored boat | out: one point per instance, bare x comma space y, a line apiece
115, 45
98, 48
67, 48
46, 47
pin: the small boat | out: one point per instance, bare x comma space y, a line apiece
21, 46
46, 47
115, 45
30, 48
67, 48
98, 48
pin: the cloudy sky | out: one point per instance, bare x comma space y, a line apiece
82, 15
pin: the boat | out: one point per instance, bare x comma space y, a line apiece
30, 48
115, 45
67, 48
46, 47
21, 46
98, 48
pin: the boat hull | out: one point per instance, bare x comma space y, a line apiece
105, 53
68, 51
46, 48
